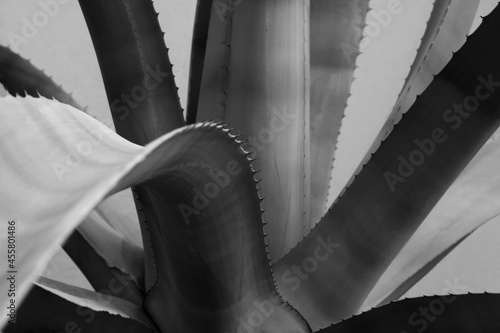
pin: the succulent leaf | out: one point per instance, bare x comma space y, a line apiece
336, 30
446, 32
233, 276
119, 211
258, 83
468, 204
135, 67
400, 184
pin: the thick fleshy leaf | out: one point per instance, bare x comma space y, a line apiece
367, 227
58, 142
20, 77
446, 32
198, 49
52, 306
136, 70
336, 30
203, 223
259, 83
62, 165
469, 203
471, 313
390, 42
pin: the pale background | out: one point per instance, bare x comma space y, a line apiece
64, 50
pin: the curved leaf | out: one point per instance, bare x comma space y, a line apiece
58, 142
203, 223
20, 77
135, 67
259, 83
93, 165
391, 196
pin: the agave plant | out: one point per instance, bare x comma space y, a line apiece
269, 85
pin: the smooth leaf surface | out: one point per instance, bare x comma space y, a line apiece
204, 226
381, 210
259, 83
336, 31
43, 162
387, 51
135, 67
469, 203
446, 32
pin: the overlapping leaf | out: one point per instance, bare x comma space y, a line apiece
469, 203
136, 70
259, 83
78, 163
399, 186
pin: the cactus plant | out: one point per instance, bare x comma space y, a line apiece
231, 196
